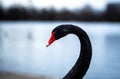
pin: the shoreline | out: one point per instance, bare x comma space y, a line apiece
9, 75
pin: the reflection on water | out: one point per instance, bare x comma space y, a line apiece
22, 49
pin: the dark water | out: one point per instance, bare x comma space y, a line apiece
23, 49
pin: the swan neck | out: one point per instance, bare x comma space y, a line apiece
81, 66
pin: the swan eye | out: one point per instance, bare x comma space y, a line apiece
59, 34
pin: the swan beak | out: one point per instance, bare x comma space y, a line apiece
51, 40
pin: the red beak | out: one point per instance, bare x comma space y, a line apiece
51, 40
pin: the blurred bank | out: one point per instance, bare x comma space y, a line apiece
17, 12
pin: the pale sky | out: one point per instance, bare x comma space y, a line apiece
59, 4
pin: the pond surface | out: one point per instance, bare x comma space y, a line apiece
23, 49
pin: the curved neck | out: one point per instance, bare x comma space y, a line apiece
81, 66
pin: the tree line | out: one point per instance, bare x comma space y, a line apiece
112, 13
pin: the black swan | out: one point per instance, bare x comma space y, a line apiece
81, 66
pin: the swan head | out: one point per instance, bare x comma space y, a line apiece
57, 33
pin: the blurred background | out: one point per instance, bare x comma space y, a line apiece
25, 28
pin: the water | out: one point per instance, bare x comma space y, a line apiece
23, 49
